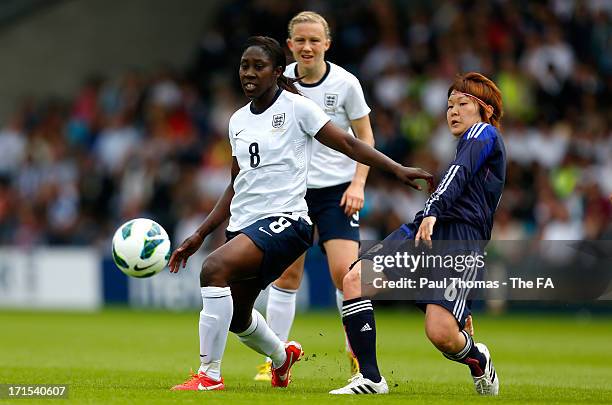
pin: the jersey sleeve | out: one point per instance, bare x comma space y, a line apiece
231, 133
309, 116
355, 104
472, 152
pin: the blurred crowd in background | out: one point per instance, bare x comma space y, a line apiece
154, 142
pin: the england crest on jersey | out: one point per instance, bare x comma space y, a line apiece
331, 102
278, 120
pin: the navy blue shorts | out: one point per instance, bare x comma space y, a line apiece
466, 241
325, 211
281, 239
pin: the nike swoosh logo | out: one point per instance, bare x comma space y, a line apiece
211, 387
238, 133
136, 268
284, 376
354, 224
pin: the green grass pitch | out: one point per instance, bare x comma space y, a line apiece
123, 356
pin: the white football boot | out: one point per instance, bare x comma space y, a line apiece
488, 383
359, 385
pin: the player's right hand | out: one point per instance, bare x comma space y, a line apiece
181, 254
407, 175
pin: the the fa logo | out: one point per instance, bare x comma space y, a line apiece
278, 120
331, 101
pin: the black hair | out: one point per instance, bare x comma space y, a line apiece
273, 49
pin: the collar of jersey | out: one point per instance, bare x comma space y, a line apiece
254, 111
327, 69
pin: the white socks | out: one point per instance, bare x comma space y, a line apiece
339, 301
280, 311
215, 318
259, 337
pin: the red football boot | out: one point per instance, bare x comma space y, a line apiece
200, 382
282, 375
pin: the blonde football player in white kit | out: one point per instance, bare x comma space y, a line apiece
335, 181
269, 227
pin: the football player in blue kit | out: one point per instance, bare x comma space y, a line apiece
269, 227
461, 209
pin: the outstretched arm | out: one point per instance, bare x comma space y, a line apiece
335, 138
220, 213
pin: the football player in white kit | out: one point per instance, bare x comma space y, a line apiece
269, 227
335, 182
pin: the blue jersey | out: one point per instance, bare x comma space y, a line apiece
472, 185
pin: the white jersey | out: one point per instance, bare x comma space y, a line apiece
340, 95
272, 149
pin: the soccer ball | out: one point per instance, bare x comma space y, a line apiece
141, 248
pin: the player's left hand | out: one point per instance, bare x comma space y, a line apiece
352, 199
425, 231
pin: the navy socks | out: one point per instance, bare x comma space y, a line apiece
360, 327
